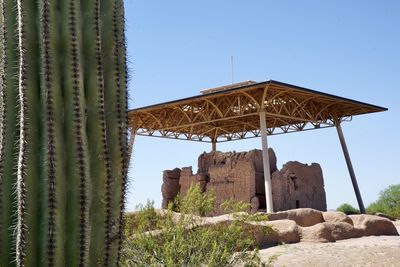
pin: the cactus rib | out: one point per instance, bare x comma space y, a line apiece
96, 132
50, 127
3, 117
29, 178
121, 80
78, 128
9, 132
22, 160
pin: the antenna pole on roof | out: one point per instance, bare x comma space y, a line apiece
232, 67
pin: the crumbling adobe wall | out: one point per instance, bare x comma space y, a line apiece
188, 178
240, 176
170, 187
228, 181
217, 158
298, 185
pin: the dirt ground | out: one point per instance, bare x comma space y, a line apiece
365, 251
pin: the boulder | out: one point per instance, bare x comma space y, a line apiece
303, 217
344, 230
380, 214
373, 225
321, 232
336, 216
284, 231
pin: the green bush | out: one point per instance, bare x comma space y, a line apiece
147, 219
178, 240
347, 209
194, 203
388, 202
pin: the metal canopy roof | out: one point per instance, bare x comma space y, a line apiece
232, 114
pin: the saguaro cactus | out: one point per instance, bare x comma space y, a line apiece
63, 132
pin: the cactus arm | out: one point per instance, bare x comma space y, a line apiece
9, 131
76, 152
96, 130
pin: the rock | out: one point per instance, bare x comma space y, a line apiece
336, 216
301, 225
385, 216
344, 230
303, 217
373, 225
284, 231
321, 232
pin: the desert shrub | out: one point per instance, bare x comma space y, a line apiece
388, 202
180, 240
146, 219
347, 209
194, 203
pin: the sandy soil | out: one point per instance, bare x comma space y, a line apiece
365, 251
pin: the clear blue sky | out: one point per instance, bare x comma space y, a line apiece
347, 48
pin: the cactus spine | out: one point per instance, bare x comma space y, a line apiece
63, 132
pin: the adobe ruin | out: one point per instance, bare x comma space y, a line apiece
240, 176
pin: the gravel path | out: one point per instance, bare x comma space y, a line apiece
365, 251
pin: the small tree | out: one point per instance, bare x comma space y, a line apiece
388, 202
181, 239
347, 209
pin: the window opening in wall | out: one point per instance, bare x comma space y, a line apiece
297, 204
294, 180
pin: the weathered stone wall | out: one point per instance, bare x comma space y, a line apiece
298, 185
216, 158
240, 176
230, 181
170, 187
188, 178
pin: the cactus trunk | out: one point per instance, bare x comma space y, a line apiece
63, 132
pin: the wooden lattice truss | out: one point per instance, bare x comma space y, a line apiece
231, 114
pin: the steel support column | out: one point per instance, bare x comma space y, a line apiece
267, 173
130, 144
350, 166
